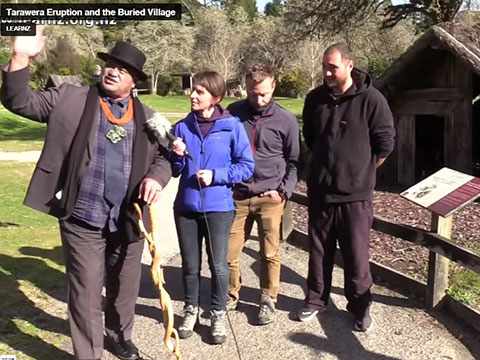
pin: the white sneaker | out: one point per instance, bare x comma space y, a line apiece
190, 319
218, 326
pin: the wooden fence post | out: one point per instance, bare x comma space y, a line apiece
437, 282
286, 227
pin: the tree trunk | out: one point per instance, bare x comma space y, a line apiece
152, 84
155, 82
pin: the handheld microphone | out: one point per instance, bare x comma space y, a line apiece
161, 128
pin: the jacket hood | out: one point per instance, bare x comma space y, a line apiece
361, 80
361, 83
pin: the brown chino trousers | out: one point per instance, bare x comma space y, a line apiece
268, 214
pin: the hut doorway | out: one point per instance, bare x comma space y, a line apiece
476, 126
475, 138
429, 140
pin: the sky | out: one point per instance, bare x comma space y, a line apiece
261, 4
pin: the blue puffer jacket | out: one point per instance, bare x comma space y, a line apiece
225, 150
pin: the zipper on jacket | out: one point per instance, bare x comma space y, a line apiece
333, 136
203, 139
335, 122
254, 138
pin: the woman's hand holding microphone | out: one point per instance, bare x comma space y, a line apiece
179, 147
205, 176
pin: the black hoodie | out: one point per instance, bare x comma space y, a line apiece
346, 136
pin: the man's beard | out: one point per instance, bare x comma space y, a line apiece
336, 83
259, 109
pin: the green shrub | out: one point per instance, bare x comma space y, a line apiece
293, 83
377, 65
89, 67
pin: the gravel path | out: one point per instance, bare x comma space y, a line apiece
24, 156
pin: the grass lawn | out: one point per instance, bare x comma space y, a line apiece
465, 287
294, 105
20, 134
177, 105
32, 281
181, 103
174, 103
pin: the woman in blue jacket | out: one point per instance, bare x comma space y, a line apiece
219, 156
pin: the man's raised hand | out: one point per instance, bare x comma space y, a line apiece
25, 48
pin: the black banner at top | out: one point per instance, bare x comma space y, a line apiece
29, 12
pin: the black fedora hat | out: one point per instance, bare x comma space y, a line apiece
127, 54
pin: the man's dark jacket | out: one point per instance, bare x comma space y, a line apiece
274, 136
72, 114
346, 136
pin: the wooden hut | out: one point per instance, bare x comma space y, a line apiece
433, 90
186, 81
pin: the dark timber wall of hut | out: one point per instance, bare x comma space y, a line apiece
432, 107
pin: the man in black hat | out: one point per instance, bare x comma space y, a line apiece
98, 159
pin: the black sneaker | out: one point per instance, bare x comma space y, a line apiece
364, 323
306, 313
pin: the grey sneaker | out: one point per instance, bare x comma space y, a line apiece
364, 322
190, 319
232, 303
266, 314
218, 326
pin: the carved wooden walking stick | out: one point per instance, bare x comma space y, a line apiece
170, 338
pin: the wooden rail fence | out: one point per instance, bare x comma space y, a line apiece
437, 281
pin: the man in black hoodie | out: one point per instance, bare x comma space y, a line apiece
275, 139
348, 127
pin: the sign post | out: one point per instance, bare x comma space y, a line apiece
443, 193
438, 265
